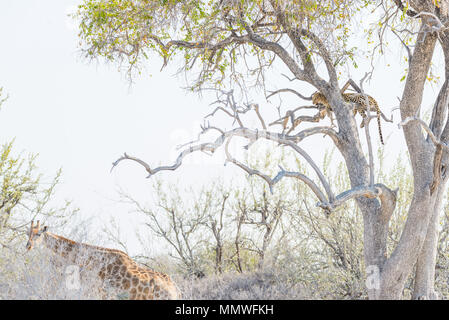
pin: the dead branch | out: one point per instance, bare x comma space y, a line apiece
256, 109
409, 52
326, 131
280, 121
254, 135
272, 93
362, 191
367, 134
289, 79
351, 83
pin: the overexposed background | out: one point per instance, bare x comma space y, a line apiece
82, 116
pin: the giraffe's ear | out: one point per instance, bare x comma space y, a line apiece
45, 229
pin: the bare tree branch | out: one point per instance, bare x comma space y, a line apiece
291, 112
272, 93
256, 109
253, 135
409, 52
362, 191
367, 134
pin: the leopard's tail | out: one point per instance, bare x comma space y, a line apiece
378, 124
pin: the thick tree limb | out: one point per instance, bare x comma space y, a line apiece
362, 191
426, 128
280, 52
388, 200
400, 5
282, 173
351, 83
309, 69
440, 146
324, 53
253, 135
411, 103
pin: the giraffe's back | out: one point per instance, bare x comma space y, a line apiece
137, 282
155, 285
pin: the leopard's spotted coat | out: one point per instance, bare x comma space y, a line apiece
360, 106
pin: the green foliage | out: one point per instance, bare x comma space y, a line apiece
23, 196
2, 100
212, 35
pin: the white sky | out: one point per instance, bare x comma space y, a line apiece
82, 116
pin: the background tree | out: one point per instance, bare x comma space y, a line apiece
241, 40
23, 196
26, 195
320, 256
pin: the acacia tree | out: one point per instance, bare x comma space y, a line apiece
24, 196
240, 40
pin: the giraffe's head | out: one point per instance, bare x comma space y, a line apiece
35, 234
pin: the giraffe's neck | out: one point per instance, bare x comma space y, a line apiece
114, 267
75, 252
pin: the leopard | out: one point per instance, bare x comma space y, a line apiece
358, 99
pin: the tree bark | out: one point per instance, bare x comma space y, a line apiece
418, 239
400, 264
425, 266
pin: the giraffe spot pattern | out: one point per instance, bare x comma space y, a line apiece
116, 269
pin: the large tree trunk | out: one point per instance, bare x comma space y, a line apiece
425, 266
400, 264
376, 214
376, 222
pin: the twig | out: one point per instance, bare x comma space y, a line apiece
281, 120
256, 109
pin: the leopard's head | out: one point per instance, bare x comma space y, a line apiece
319, 98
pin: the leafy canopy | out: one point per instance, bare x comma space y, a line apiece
213, 35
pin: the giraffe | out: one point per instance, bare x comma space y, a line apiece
114, 267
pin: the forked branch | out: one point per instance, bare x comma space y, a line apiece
368, 192
327, 200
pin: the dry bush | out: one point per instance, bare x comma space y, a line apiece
258, 285
41, 275
320, 255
